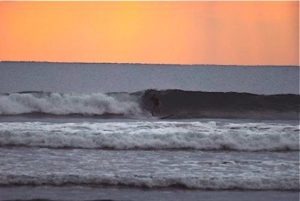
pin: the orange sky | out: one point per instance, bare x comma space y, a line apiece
151, 32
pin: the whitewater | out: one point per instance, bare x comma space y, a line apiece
153, 135
65, 104
150, 169
211, 154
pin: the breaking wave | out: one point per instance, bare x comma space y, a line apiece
162, 104
66, 104
153, 135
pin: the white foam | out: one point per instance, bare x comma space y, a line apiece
152, 135
64, 104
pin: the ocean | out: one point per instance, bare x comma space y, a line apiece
148, 144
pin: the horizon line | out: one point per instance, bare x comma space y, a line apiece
140, 63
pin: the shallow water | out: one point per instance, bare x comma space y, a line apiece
120, 159
183, 169
89, 193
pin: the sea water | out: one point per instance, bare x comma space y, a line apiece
128, 158
76, 153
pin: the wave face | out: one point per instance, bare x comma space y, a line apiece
161, 104
195, 104
153, 135
68, 104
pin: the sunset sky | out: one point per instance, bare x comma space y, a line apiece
241, 33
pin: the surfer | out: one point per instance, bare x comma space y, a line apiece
155, 104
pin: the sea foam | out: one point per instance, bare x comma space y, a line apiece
152, 135
65, 104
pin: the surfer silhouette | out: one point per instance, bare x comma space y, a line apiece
155, 104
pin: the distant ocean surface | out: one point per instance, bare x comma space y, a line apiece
147, 145
93, 78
